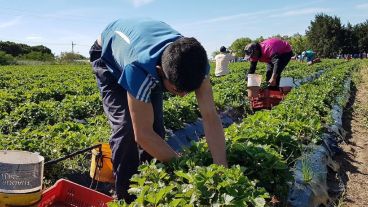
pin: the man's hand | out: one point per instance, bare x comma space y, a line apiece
272, 81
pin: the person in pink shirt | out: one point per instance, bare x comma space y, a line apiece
275, 52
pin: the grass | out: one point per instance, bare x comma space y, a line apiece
306, 170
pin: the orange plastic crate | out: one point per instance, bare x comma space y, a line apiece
267, 99
65, 193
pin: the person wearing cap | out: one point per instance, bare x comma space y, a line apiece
222, 62
275, 52
135, 61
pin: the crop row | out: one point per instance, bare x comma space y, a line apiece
260, 150
56, 110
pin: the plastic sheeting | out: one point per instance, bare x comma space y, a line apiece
310, 78
338, 110
192, 132
314, 192
331, 144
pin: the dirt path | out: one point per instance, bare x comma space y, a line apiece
354, 159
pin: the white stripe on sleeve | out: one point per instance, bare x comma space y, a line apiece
124, 36
147, 91
143, 86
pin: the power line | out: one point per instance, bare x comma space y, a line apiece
73, 47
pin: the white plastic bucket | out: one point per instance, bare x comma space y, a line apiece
254, 80
20, 171
21, 175
286, 82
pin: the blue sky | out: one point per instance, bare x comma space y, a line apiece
58, 23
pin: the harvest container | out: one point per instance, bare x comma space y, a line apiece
253, 85
267, 99
21, 175
101, 164
69, 194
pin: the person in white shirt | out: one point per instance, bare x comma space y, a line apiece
222, 62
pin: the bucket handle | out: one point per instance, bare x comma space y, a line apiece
100, 157
99, 164
51, 162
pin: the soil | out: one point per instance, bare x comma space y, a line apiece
354, 158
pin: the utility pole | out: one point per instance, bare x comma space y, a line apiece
73, 47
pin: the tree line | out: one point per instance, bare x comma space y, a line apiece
10, 51
326, 35
15, 53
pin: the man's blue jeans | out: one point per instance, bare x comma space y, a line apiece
126, 154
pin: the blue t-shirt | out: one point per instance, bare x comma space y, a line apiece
309, 54
131, 49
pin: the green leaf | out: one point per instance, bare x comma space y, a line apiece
259, 202
162, 193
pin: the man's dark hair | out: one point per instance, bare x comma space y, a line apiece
253, 49
222, 49
185, 63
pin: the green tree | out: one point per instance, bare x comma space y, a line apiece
259, 39
42, 49
299, 43
14, 49
70, 57
238, 45
40, 56
325, 35
17, 49
6, 59
282, 37
350, 40
214, 53
361, 33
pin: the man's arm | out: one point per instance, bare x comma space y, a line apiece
275, 61
212, 125
253, 66
142, 120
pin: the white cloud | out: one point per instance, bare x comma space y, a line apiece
241, 16
34, 37
362, 6
11, 23
300, 12
77, 14
139, 3
253, 16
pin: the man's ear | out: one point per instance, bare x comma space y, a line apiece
160, 71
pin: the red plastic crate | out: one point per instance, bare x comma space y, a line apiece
69, 194
267, 99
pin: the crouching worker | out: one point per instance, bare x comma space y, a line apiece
310, 56
135, 61
275, 52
